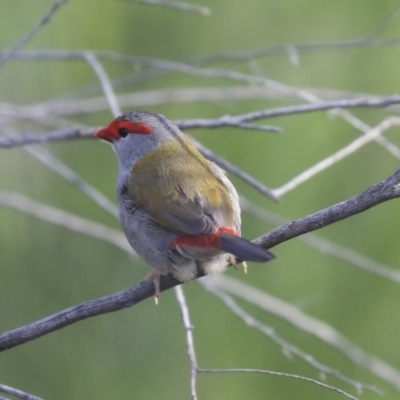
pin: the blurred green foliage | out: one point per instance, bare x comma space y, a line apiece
140, 353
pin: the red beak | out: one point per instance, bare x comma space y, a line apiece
108, 133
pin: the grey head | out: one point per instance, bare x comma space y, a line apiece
137, 133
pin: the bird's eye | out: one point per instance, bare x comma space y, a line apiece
123, 132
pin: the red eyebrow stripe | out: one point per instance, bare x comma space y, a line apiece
140, 128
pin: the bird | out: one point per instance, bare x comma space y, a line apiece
178, 210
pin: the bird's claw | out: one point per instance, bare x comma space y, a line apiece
232, 261
155, 277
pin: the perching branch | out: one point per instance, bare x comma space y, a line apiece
386, 190
118, 301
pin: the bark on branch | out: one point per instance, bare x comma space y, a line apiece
386, 190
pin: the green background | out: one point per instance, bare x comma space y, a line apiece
140, 353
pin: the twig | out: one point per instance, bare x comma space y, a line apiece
29, 35
280, 374
287, 347
189, 339
338, 156
104, 82
82, 106
386, 190
226, 121
70, 176
66, 220
368, 40
343, 113
76, 133
313, 326
389, 21
60, 135
177, 5
292, 110
19, 394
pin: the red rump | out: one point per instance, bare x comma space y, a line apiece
203, 241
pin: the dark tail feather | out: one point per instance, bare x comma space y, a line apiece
243, 249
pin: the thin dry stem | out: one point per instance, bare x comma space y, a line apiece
29, 35
338, 156
177, 5
65, 220
19, 394
287, 347
279, 374
311, 325
105, 83
180, 297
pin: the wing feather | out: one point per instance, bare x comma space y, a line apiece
194, 203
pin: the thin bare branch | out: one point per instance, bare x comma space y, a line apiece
344, 114
338, 156
29, 35
180, 297
104, 82
89, 105
288, 348
285, 48
59, 135
176, 5
226, 121
64, 219
367, 41
386, 24
19, 394
52, 162
311, 325
70, 176
280, 374
76, 133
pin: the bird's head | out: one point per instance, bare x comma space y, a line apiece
138, 133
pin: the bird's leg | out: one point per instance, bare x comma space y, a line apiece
232, 261
155, 277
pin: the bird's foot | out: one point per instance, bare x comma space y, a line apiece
232, 261
155, 277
